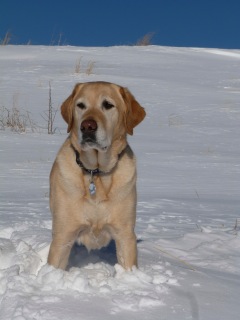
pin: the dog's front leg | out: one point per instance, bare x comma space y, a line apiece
60, 249
126, 246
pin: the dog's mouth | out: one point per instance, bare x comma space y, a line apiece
89, 140
91, 143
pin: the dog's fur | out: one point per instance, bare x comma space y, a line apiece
93, 220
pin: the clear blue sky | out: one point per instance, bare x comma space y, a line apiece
190, 23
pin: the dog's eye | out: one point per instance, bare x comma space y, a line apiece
107, 105
81, 106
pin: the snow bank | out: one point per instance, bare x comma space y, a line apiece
188, 187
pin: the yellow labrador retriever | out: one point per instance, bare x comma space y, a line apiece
93, 179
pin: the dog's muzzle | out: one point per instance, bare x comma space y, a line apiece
88, 128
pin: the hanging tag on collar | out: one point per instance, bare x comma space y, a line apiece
92, 187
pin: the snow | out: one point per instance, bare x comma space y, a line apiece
188, 187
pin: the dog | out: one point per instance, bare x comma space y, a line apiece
93, 178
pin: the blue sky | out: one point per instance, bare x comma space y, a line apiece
187, 23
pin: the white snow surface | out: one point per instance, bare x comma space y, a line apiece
188, 187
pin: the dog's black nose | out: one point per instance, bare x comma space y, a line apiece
88, 126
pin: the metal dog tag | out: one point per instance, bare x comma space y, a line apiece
92, 188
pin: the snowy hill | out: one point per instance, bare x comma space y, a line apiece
188, 186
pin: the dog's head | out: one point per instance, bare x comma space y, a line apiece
99, 112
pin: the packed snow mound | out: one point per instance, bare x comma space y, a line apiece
18, 253
129, 290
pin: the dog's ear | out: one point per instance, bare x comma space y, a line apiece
67, 108
134, 113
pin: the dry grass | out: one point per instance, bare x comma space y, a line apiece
90, 67
78, 65
6, 39
145, 40
57, 40
16, 120
80, 69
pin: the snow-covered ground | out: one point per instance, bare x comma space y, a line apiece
188, 217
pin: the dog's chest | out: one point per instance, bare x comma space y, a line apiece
96, 224
97, 188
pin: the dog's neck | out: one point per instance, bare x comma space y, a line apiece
101, 162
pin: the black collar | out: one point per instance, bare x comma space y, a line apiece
96, 171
